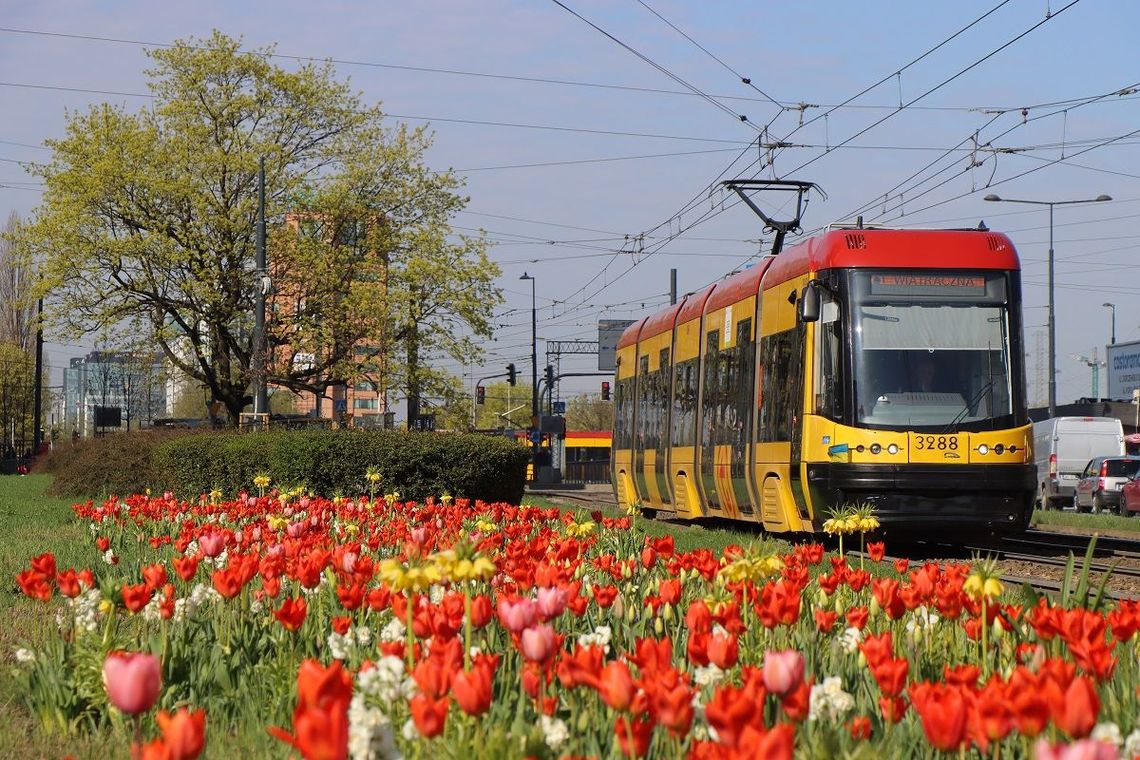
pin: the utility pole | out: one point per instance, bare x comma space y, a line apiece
37, 395
672, 287
260, 392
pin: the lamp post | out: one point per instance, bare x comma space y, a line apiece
1052, 321
533, 377
1112, 306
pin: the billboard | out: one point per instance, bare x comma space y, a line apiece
609, 332
1123, 370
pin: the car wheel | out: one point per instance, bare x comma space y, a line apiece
1096, 504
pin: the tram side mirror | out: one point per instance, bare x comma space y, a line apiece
808, 306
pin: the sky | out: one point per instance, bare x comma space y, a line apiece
592, 135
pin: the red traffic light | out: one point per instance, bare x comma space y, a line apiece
605, 390
480, 394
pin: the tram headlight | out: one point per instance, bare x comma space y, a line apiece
893, 448
876, 448
998, 449
983, 449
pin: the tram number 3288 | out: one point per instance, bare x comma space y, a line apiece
936, 442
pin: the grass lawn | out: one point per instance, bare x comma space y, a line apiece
30, 524
1103, 521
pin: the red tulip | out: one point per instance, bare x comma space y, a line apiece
133, 680
723, 650
320, 719
615, 686
944, 712
186, 567
633, 735
136, 597
876, 550
154, 576
429, 714
183, 733
1076, 713
292, 613
472, 689
783, 671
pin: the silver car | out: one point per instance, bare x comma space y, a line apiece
1101, 481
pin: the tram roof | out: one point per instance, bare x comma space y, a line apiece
894, 249
630, 334
739, 286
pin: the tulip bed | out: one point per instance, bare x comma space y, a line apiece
374, 627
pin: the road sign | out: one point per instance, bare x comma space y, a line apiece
535, 437
340, 405
560, 407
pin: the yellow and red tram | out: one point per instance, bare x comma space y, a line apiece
861, 366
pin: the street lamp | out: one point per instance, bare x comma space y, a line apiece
1112, 306
1052, 321
533, 377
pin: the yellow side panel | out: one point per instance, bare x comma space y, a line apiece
687, 502
688, 344
722, 473
623, 484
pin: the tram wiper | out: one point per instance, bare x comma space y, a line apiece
953, 426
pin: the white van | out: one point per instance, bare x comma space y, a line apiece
1063, 446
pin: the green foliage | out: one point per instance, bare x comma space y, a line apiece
589, 412
150, 216
329, 462
120, 463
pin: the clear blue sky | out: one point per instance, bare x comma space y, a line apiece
570, 220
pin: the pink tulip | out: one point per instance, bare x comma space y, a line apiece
251, 501
304, 502
294, 530
1085, 749
133, 680
168, 495
517, 615
551, 602
419, 536
348, 562
783, 671
537, 642
212, 543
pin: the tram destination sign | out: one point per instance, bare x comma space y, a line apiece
609, 333
921, 284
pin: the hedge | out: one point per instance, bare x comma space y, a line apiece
331, 462
119, 463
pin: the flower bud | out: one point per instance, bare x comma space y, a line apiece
658, 626
667, 612
998, 630
862, 659
873, 608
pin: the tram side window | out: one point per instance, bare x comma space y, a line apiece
827, 368
742, 389
643, 422
624, 413
713, 391
685, 403
781, 359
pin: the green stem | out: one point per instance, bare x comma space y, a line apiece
466, 629
409, 637
985, 650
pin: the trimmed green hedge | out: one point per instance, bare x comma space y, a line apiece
119, 463
331, 462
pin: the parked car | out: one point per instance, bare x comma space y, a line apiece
1101, 483
1130, 496
1063, 446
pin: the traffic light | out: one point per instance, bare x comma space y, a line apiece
512, 374
480, 394
549, 376
605, 390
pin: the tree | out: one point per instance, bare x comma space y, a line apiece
17, 381
589, 412
17, 301
151, 216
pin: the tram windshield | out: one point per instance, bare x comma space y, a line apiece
931, 353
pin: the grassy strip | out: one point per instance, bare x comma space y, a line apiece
1085, 521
